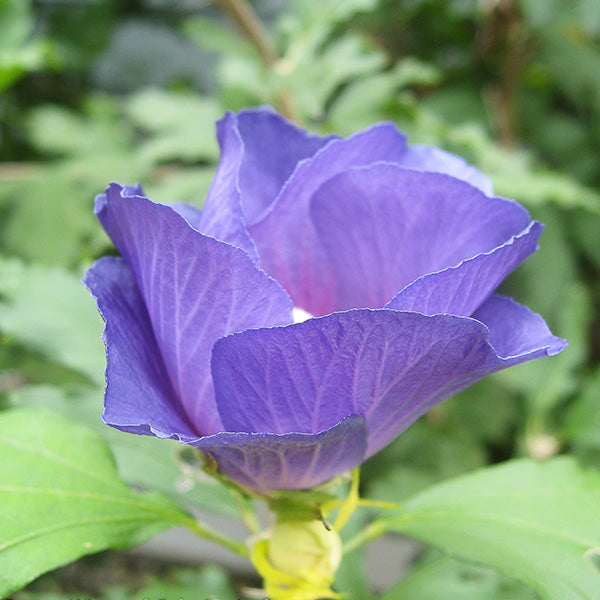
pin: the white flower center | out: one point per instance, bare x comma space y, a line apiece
300, 314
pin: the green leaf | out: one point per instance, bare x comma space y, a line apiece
536, 522
183, 126
143, 461
426, 453
208, 582
50, 311
515, 173
211, 35
18, 53
61, 498
368, 99
57, 130
450, 579
582, 422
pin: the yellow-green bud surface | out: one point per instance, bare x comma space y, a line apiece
298, 560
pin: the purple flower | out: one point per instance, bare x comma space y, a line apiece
395, 250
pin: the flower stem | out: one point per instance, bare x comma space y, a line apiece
243, 15
368, 534
246, 511
206, 532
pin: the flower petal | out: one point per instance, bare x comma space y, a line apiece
515, 330
222, 216
428, 158
460, 290
297, 378
272, 147
287, 242
138, 397
196, 290
190, 213
387, 365
448, 354
384, 226
265, 462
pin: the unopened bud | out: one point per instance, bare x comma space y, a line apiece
298, 560
296, 547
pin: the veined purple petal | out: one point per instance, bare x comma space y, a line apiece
460, 290
265, 462
427, 158
196, 289
298, 378
222, 216
516, 330
272, 147
138, 397
286, 239
190, 213
384, 226
259, 151
387, 365
448, 354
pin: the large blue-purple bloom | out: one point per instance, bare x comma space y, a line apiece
394, 250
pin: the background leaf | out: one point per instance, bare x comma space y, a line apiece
50, 311
537, 522
450, 579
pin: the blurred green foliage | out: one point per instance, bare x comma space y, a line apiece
129, 90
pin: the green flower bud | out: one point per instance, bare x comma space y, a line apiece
296, 547
298, 560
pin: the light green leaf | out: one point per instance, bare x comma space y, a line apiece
55, 129
220, 38
536, 522
143, 461
61, 498
514, 172
183, 125
367, 99
314, 79
50, 311
582, 422
450, 579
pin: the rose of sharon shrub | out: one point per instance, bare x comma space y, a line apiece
393, 250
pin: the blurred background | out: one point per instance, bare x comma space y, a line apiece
98, 90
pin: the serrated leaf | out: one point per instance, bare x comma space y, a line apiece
61, 498
536, 522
